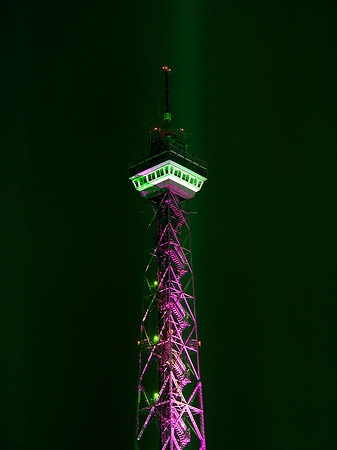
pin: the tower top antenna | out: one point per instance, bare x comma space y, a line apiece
167, 114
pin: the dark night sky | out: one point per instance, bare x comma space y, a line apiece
255, 85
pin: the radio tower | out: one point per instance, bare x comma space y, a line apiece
170, 407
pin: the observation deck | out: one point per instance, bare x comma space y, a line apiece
168, 165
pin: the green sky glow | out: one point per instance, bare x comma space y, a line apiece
254, 86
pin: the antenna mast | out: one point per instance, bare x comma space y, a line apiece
167, 114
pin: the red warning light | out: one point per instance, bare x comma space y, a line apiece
155, 129
199, 343
181, 129
166, 68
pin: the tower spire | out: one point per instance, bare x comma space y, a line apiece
167, 114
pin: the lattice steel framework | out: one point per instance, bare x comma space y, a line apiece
169, 391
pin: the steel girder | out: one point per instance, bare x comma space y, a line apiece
169, 390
